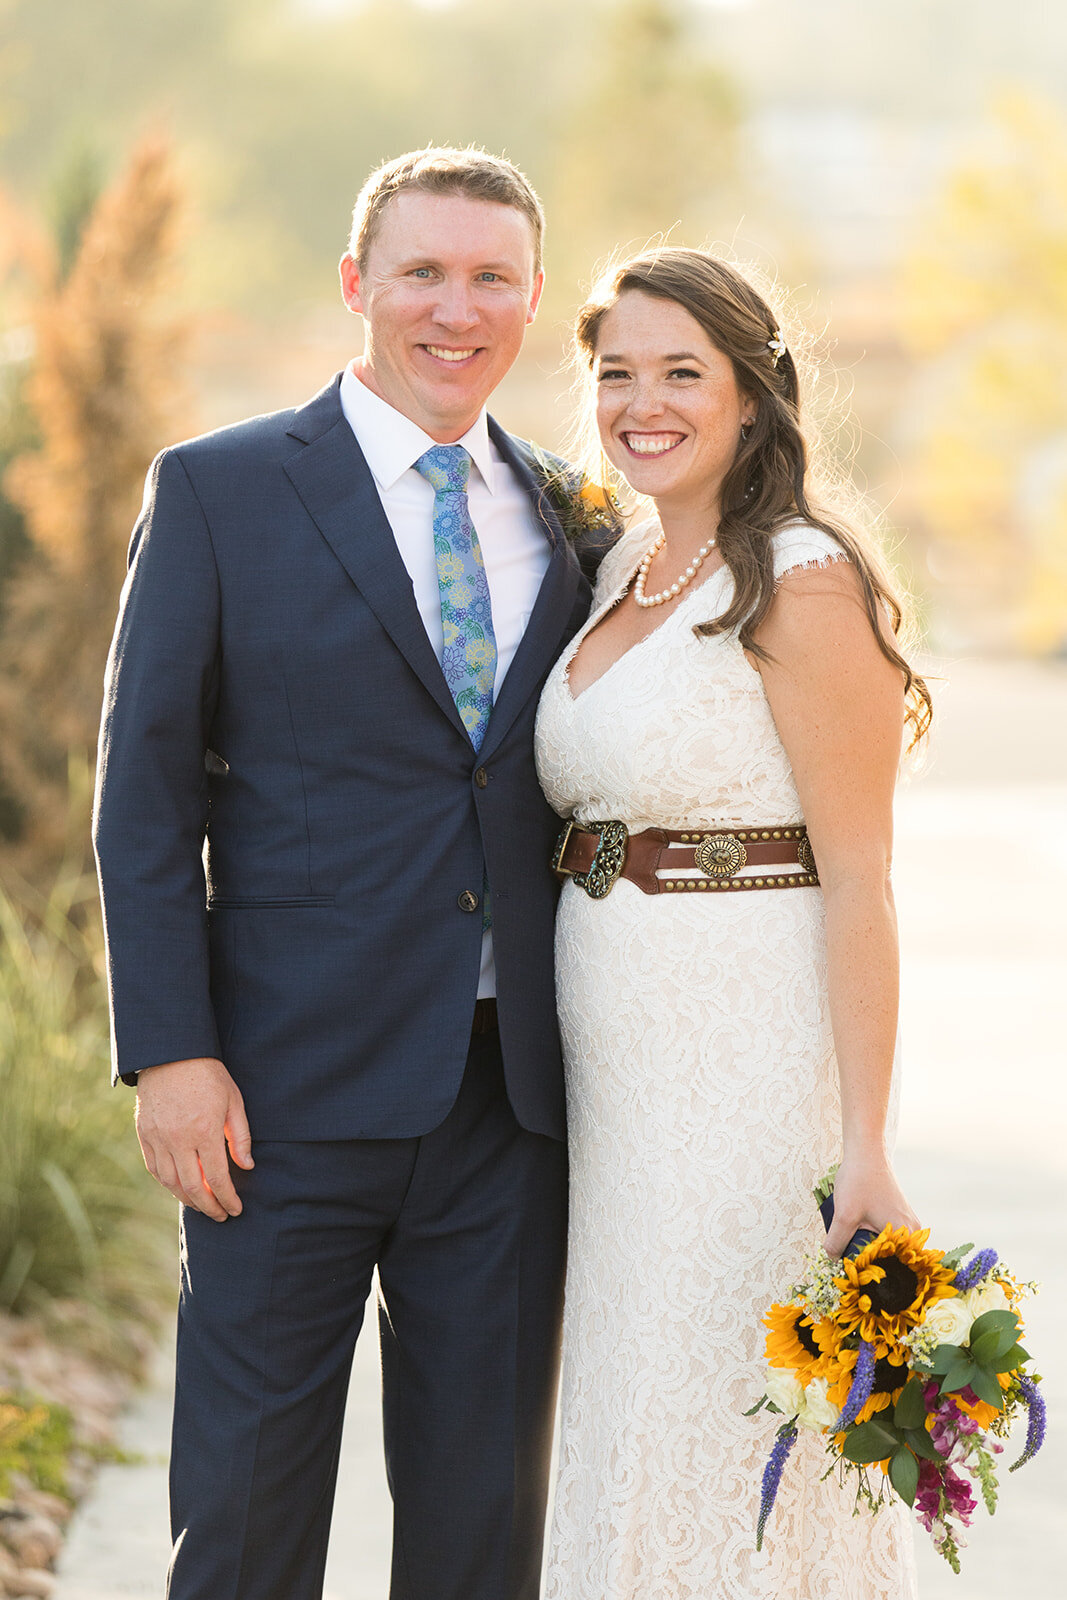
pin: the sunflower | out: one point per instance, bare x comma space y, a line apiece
800, 1344
890, 1376
887, 1288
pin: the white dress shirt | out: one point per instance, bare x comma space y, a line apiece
515, 548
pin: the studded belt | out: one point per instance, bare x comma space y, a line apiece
597, 855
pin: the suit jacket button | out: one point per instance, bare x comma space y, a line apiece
468, 900
481, 777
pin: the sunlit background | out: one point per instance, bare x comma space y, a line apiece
176, 180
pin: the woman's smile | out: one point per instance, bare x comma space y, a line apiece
651, 444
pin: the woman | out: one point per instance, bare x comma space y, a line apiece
728, 1017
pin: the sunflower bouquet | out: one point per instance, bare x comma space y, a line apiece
908, 1361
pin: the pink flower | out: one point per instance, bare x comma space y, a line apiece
928, 1495
960, 1498
941, 1438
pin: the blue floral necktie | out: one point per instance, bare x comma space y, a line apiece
469, 659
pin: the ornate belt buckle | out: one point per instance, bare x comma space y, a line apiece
806, 855
557, 855
608, 862
720, 855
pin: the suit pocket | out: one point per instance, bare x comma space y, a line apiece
260, 902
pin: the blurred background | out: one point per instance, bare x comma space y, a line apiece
176, 180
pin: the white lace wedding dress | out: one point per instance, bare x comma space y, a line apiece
703, 1105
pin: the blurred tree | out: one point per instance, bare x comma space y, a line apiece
984, 310
103, 391
649, 140
281, 109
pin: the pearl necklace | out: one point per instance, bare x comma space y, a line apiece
686, 577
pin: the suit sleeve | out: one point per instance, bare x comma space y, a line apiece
150, 812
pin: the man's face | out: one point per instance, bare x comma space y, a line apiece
448, 289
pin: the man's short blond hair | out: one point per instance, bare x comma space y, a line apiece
440, 169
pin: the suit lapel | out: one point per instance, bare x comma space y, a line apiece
552, 609
332, 478
335, 484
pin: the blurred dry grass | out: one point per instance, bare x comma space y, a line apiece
79, 1218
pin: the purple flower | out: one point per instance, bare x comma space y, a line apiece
928, 1496
1035, 1428
784, 1441
942, 1437
976, 1269
862, 1385
959, 1496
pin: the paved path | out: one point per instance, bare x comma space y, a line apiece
981, 881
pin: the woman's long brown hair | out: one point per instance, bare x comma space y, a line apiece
766, 487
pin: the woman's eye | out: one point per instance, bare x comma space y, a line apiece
684, 372
611, 375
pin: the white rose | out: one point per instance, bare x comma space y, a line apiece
950, 1319
818, 1411
990, 1297
784, 1391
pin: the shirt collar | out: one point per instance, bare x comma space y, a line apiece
392, 443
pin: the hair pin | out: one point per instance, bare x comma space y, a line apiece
777, 344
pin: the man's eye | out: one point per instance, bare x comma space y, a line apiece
422, 272
490, 277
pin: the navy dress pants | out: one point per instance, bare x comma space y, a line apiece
466, 1226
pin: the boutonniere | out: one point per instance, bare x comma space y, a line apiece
583, 507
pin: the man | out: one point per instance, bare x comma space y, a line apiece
329, 652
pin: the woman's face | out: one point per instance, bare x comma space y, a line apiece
668, 407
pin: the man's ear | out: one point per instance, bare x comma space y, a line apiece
351, 284
535, 298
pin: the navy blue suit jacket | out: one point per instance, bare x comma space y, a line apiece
271, 690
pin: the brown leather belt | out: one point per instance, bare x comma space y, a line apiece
598, 855
484, 1017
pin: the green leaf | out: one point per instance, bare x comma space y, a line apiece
751, 1412
988, 1389
952, 1258
992, 1344
904, 1474
944, 1357
959, 1374
871, 1441
1011, 1359
992, 1319
910, 1409
919, 1440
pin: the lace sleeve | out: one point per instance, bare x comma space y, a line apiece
800, 547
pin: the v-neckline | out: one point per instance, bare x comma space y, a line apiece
602, 611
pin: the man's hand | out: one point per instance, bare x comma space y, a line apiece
188, 1112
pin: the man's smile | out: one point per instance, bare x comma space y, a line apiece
441, 352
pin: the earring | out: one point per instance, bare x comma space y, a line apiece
746, 429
